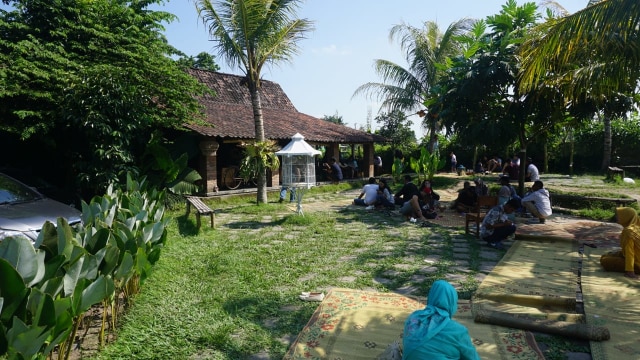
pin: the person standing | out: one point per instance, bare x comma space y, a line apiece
537, 202
377, 165
454, 162
431, 333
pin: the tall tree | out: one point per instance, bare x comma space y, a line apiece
592, 55
481, 99
203, 60
250, 34
407, 89
89, 81
397, 128
335, 118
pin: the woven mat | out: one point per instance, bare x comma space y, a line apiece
449, 218
355, 324
611, 300
598, 233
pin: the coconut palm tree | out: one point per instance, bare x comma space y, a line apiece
426, 51
592, 55
596, 50
249, 34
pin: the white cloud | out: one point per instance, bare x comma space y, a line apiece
331, 50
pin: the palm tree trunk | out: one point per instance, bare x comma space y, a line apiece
261, 194
606, 156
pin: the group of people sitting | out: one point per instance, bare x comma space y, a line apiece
416, 203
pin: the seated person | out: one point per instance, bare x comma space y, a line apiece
628, 259
512, 168
370, 193
466, 199
537, 202
507, 191
493, 164
496, 225
431, 333
334, 170
419, 206
481, 188
532, 171
429, 196
479, 169
408, 190
385, 196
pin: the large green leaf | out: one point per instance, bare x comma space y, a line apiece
89, 293
124, 272
25, 341
41, 308
19, 252
13, 290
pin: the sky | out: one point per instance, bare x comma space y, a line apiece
338, 55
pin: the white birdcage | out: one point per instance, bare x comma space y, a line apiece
298, 166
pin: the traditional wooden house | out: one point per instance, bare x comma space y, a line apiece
230, 114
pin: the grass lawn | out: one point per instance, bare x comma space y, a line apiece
232, 292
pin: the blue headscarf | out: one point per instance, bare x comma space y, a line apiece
422, 325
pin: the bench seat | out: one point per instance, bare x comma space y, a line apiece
200, 209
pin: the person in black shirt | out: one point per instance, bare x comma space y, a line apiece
407, 192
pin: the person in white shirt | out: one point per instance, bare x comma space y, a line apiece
537, 202
370, 194
532, 171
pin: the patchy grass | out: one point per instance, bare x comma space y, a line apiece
232, 292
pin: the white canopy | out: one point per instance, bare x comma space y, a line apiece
298, 146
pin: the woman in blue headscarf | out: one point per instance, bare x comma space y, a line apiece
432, 334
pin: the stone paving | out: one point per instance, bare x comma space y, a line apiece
447, 248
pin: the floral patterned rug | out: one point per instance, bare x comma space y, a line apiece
355, 324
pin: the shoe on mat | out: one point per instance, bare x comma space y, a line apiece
496, 245
311, 296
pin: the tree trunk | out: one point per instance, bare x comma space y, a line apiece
571, 151
606, 156
261, 194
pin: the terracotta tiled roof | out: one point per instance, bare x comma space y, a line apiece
231, 114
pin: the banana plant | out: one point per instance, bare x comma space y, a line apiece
427, 164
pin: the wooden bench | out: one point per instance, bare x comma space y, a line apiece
613, 171
200, 209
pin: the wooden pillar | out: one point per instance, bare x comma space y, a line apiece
209, 172
367, 160
333, 150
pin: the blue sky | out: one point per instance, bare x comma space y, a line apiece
337, 57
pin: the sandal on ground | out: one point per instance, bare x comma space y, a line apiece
311, 296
